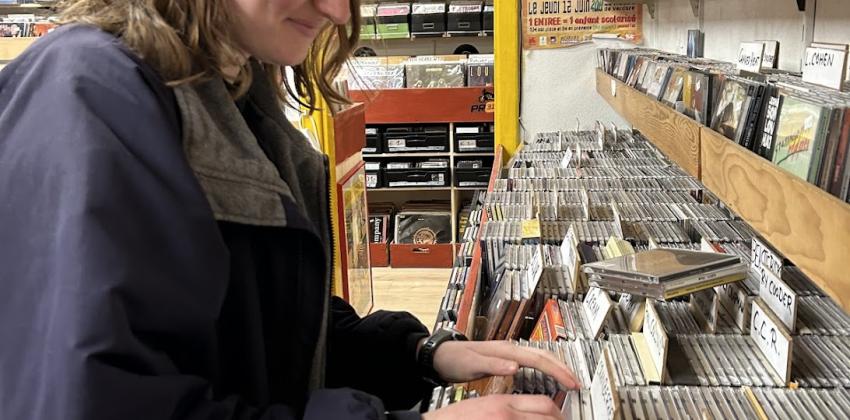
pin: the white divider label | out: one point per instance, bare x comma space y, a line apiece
585, 203
597, 305
603, 391
578, 156
535, 269
653, 244
737, 302
763, 258
780, 298
771, 49
618, 222
556, 203
825, 66
772, 338
750, 56
568, 156
656, 338
704, 305
569, 255
613, 88
600, 135
633, 308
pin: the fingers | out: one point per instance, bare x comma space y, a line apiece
492, 366
535, 405
533, 358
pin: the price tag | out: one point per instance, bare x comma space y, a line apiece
394, 143
604, 397
633, 308
704, 306
772, 338
656, 338
468, 130
618, 223
763, 258
597, 305
780, 298
535, 269
737, 302
750, 56
530, 228
825, 66
568, 156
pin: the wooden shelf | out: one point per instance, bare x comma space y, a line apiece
676, 135
414, 37
807, 225
12, 47
438, 105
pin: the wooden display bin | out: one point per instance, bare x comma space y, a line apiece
422, 256
676, 135
807, 225
379, 254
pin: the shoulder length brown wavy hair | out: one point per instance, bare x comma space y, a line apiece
188, 40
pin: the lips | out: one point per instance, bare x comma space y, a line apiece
306, 27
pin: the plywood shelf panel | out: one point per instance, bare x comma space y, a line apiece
807, 225
12, 47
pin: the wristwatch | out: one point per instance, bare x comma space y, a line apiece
429, 348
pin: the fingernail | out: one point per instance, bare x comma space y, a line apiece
511, 367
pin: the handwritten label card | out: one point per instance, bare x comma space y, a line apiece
597, 306
825, 66
633, 307
772, 338
535, 269
750, 56
780, 298
771, 55
763, 258
569, 255
603, 391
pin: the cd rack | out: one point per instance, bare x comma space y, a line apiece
614, 193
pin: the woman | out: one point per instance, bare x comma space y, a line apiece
167, 244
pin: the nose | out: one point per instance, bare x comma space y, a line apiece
338, 11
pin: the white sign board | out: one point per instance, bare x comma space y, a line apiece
780, 298
772, 338
585, 203
825, 66
750, 56
656, 338
597, 306
603, 390
618, 222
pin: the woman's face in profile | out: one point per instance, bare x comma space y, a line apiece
281, 31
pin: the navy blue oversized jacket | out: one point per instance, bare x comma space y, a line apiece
123, 297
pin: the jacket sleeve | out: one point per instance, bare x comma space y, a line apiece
115, 262
377, 354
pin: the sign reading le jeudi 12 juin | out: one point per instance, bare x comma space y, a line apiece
557, 24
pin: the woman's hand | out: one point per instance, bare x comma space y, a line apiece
464, 361
499, 407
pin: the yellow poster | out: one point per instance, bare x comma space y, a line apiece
558, 24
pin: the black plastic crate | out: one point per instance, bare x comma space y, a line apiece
473, 172
474, 138
464, 17
373, 141
428, 19
416, 138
